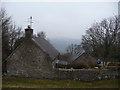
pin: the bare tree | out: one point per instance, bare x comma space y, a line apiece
10, 33
41, 34
5, 22
70, 49
73, 49
102, 38
15, 33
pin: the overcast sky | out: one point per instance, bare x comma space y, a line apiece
60, 19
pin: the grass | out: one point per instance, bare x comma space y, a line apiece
14, 82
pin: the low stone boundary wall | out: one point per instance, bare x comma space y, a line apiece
114, 68
78, 74
86, 75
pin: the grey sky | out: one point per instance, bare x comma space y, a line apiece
62, 19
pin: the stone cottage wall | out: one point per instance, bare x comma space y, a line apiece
86, 75
29, 61
83, 61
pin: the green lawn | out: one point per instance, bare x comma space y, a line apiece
14, 82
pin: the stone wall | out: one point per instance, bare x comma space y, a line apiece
86, 75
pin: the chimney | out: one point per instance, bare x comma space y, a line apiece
28, 32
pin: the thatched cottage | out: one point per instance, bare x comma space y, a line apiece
82, 60
32, 58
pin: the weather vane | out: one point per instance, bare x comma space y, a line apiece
30, 21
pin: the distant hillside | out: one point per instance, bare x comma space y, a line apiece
61, 43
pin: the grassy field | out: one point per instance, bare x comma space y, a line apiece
14, 82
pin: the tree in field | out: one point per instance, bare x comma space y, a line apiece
102, 40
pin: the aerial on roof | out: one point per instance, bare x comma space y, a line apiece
46, 47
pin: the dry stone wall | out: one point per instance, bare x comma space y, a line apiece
86, 75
